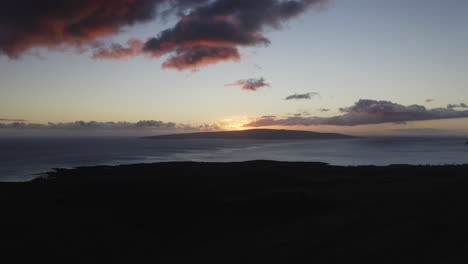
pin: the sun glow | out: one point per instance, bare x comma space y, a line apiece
236, 123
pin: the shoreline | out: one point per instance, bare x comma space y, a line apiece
232, 212
38, 175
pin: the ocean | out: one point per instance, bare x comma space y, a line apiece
23, 159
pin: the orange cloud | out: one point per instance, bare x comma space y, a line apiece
54, 24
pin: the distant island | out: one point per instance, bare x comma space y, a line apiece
267, 134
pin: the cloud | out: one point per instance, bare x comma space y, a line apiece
12, 120
221, 25
93, 125
301, 96
250, 84
205, 28
430, 100
117, 51
367, 112
198, 56
324, 110
202, 127
461, 105
26, 24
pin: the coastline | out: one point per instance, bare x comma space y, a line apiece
230, 212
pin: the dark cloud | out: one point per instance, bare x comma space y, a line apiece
301, 96
93, 125
367, 112
198, 56
324, 110
206, 28
461, 105
250, 84
12, 120
208, 31
26, 24
222, 25
430, 100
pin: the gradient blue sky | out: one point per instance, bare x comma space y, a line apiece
400, 51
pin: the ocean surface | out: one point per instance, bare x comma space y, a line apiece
23, 159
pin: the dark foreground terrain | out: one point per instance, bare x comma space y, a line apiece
252, 212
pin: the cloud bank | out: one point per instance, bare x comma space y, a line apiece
366, 112
461, 105
207, 31
96, 126
12, 120
250, 84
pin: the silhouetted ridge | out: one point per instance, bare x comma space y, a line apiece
255, 134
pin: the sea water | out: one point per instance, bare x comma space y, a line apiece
23, 159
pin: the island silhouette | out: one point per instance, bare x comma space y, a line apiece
267, 134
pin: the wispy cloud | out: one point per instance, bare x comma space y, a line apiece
301, 96
367, 112
117, 51
250, 84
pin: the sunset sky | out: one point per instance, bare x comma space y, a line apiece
142, 67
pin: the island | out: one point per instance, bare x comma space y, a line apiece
244, 212
265, 134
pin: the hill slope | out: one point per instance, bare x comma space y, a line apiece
247, 212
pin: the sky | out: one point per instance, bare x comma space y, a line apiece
142, 67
